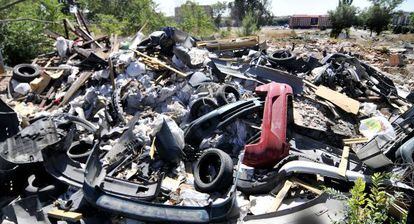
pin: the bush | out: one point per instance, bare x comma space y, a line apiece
195, 20
124, 17
21, 41
249, 25
372, 208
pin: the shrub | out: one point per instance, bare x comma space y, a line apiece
249, 25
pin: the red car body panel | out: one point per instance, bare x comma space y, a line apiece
272, 145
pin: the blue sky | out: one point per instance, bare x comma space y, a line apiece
284, 7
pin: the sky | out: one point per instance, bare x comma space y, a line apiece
284, 7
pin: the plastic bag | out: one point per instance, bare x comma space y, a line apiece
378, 125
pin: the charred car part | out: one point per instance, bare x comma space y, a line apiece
272, 145
169, 141
302, 148
71, 172
406, 150
136, 208
9, 121
26, 210
26, 146
79, 151
355, 77
216, 119
277, 76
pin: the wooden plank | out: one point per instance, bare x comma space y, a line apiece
229, 44
70, 25
65, 215
75, 86
280, 196
343, 165
306, 186
112, 73
65, 26
350, 141
83, 21
157, 61
342, 101
94, 40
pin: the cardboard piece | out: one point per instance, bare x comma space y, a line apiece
341, 100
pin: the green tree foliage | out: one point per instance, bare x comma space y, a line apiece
124, 17
370, 208
195, 20
22, 39
249, 24
412, 22
259, 8
218, 9
343, 17
378, 16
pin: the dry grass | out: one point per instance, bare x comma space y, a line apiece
406, 37
273, 34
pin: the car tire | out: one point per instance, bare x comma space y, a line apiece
281, 58
202, 106
213, 171
223, 92
25, 72
79, 151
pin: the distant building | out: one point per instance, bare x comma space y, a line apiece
309, 21
401, 18
207, 8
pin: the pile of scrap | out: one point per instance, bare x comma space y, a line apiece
167, 128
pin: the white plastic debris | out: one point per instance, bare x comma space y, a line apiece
61, 46
192, 197
260, 204
198, 56
101, 74
73, 74
166, 92
124, 58
137, 39
22, 88
135, 68
368, 108
377, 125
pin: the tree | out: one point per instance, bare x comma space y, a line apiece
412, 22
379, 14
249, 24
218, 9
259, 8
124, 17
195, 20
22, 39
343, 17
